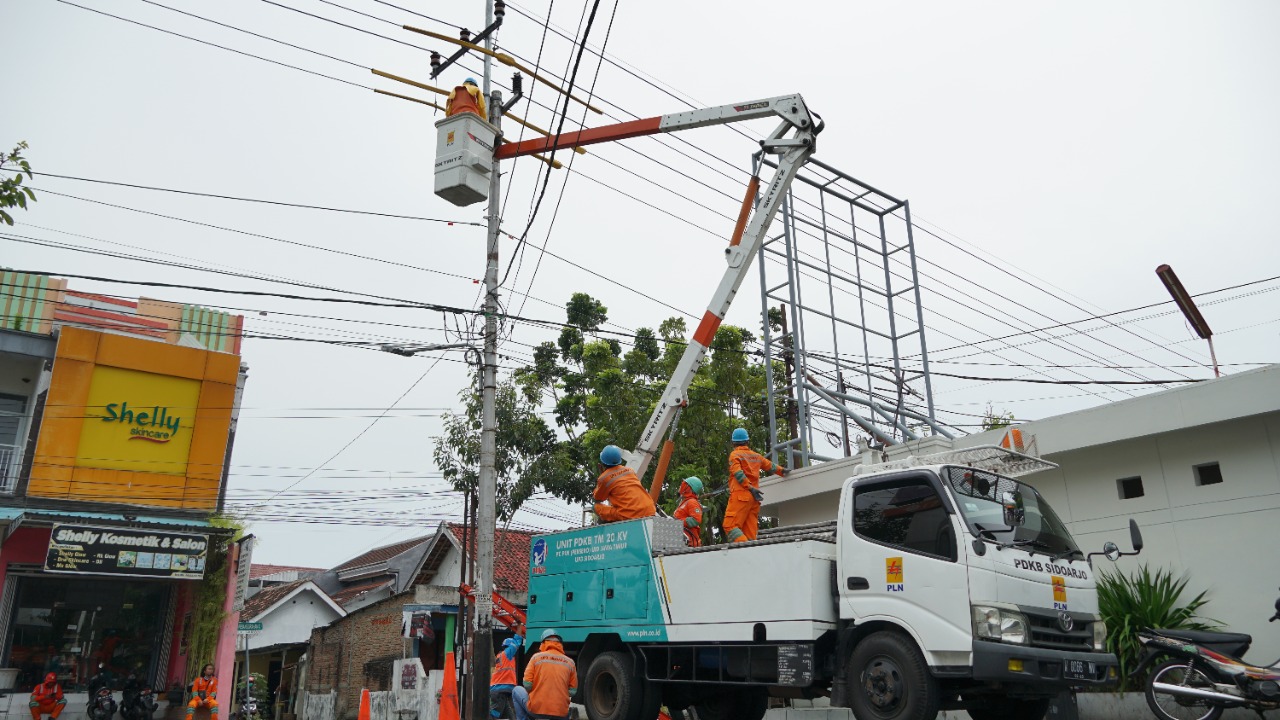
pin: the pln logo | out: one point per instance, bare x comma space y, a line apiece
539, 556
1059, 592
893, 575
449, 138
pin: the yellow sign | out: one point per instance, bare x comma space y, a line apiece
893, 574
1059, 589
138, 421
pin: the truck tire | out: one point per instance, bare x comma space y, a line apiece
889, 680
1004, 708
615, 691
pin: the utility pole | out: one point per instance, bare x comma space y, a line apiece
486, 505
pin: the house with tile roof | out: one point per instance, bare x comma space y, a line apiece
374, 575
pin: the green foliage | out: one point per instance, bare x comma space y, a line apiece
206, 612
992, 420
1145, 599
260, 692
12, 193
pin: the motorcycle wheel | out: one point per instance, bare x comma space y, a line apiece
1176, 707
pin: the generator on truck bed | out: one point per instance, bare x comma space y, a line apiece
938, 585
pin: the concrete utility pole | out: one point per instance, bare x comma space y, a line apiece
482, 643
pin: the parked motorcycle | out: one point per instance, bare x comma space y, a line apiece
248, 703
138, 701
1202, 674
102, 705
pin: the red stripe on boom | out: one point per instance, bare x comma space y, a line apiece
590, 136
707, 329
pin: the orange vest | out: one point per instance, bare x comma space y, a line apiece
551, 673
469, 100
746, 464
620, 486
689, 507
208, 687
504, 673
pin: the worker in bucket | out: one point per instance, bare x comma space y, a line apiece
742, 515
621, 489
466, 98
550, 680
502, 681
689, 511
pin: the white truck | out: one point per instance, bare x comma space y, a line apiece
939, 585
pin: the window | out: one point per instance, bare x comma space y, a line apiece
1130, 488
907, 514
1208, 474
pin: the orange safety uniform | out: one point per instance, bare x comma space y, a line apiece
47, 698
469, 100
689, 512
204, 693
742, 514
504, 671
627, 498
550, 676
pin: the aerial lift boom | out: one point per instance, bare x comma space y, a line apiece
793, 141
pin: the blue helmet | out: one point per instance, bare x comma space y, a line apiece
740, 435
471, 81
695, 484
611, 455
550, 633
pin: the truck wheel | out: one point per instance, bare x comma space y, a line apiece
615, 691
1004, 708
888, 680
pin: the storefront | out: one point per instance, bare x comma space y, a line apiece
83, 596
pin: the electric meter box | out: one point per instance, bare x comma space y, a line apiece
464, 156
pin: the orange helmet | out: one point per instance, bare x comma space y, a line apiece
51, 677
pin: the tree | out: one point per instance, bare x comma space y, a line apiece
991, 420
12, 193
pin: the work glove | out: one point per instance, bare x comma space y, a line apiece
759, 496
782, 472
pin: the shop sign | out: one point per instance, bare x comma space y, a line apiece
126, 551
138, 421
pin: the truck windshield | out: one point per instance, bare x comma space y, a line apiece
978, 495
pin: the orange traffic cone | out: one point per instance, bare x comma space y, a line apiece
449, 695
366, 708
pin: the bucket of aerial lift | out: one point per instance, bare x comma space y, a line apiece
464, 156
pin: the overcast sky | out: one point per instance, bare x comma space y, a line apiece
1075, 145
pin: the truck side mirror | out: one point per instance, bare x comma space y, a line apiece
1111, 550
1135, 536
1015, 515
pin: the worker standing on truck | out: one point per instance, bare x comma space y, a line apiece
470, 99
742, 514
502, 681
620, 487
550, 680
689, 511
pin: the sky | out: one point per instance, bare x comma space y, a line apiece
1053, 156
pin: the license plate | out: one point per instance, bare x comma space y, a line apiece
1079, 670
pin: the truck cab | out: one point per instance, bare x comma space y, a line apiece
937, 586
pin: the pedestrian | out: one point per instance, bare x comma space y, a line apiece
204, 693
689, 511
503, 678
470, 99
550, 680
742, 514
46, 698
621, 489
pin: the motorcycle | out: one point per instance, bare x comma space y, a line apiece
138, 701
102, 706
248, 703
1202, 674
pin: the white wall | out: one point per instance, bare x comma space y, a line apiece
293, 621
13, 369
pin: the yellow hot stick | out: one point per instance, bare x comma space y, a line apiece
553, 163
505, 59
407, 81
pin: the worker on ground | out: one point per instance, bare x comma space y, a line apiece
204, 693
742, 515
502, 681
619, 486
550, 680
46, 698
466, 98
689, 511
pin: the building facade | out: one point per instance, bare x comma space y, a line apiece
116, 421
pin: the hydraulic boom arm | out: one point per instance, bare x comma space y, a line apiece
793, 141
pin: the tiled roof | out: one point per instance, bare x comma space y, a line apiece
510, 556
382, 554
267, 597
347, 594
258, 570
